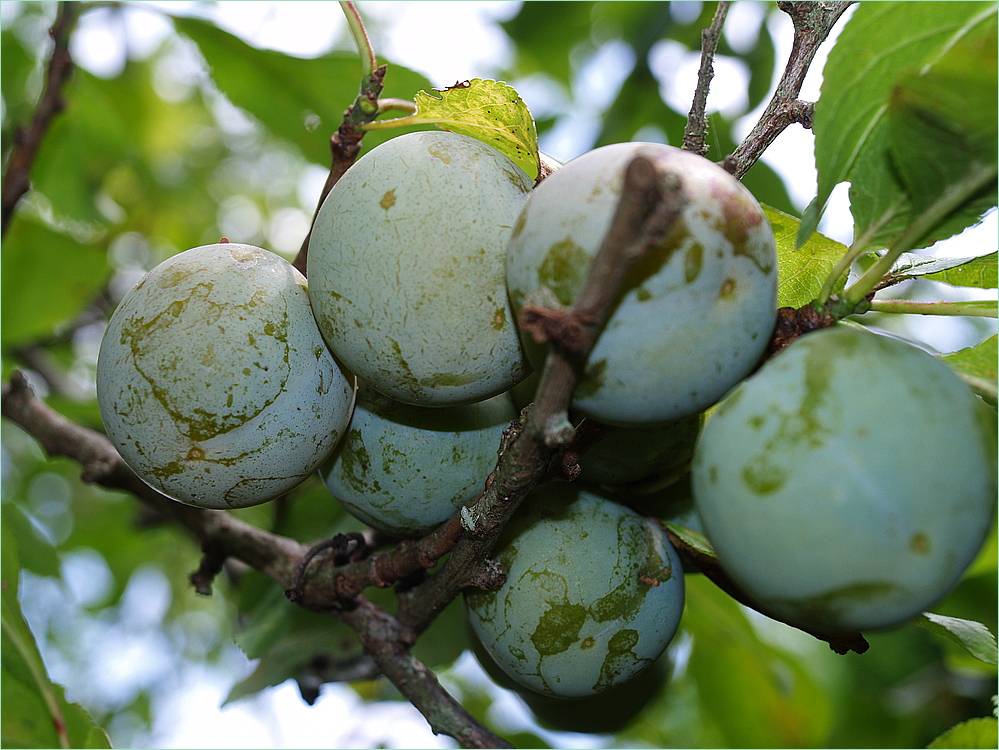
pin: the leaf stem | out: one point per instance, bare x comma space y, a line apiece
950, 200
36, 667
980, 308
402, 105
860, 244
360, 35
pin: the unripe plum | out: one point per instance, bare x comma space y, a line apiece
593, 596
406, 267
629, 454
848, 484
213, 380
696, 312
404, 469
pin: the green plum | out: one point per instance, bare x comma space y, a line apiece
848, 484
404, 469
406, 267
696, 312
214, 382
593, 596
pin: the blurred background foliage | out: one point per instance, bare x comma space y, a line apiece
201, 134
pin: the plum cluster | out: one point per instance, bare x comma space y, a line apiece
225, 379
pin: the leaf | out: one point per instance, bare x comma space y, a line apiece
881, 43
974, 637
977, 271
759, 695
289, 657
977, 363
974, 272
693, 542
266, 624
47, 278
982, 732
801, 271
544, 34
36, 713
491, 111
299, 100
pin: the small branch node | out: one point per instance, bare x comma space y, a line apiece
558, 430
489, 575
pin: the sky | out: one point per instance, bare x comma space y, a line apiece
447, 41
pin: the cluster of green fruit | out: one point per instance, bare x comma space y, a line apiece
846, 484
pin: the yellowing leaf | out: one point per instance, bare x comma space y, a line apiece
491, 111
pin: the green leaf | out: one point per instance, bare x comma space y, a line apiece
759, 695
974, 637
977, 271
269, 621
290, 656
491, 111
17, 65
977, 364
879, 45
801, 271
982, 732
299, 100
545, 33
36, 713
974, 272
47, 278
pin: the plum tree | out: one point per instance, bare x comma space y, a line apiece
570, 379
877, 455
715, 272
406, 267
214, 382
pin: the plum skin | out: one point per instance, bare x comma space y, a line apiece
848, 484
213, 381
404, 469
593, 596
406, 269
696, 312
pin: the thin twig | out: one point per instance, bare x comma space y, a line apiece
27, 141
812, 23
695, 133
345, 143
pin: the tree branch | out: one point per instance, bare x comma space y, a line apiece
16, 179
275, 556
648, 205
697, 122
388, 640
812, 23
